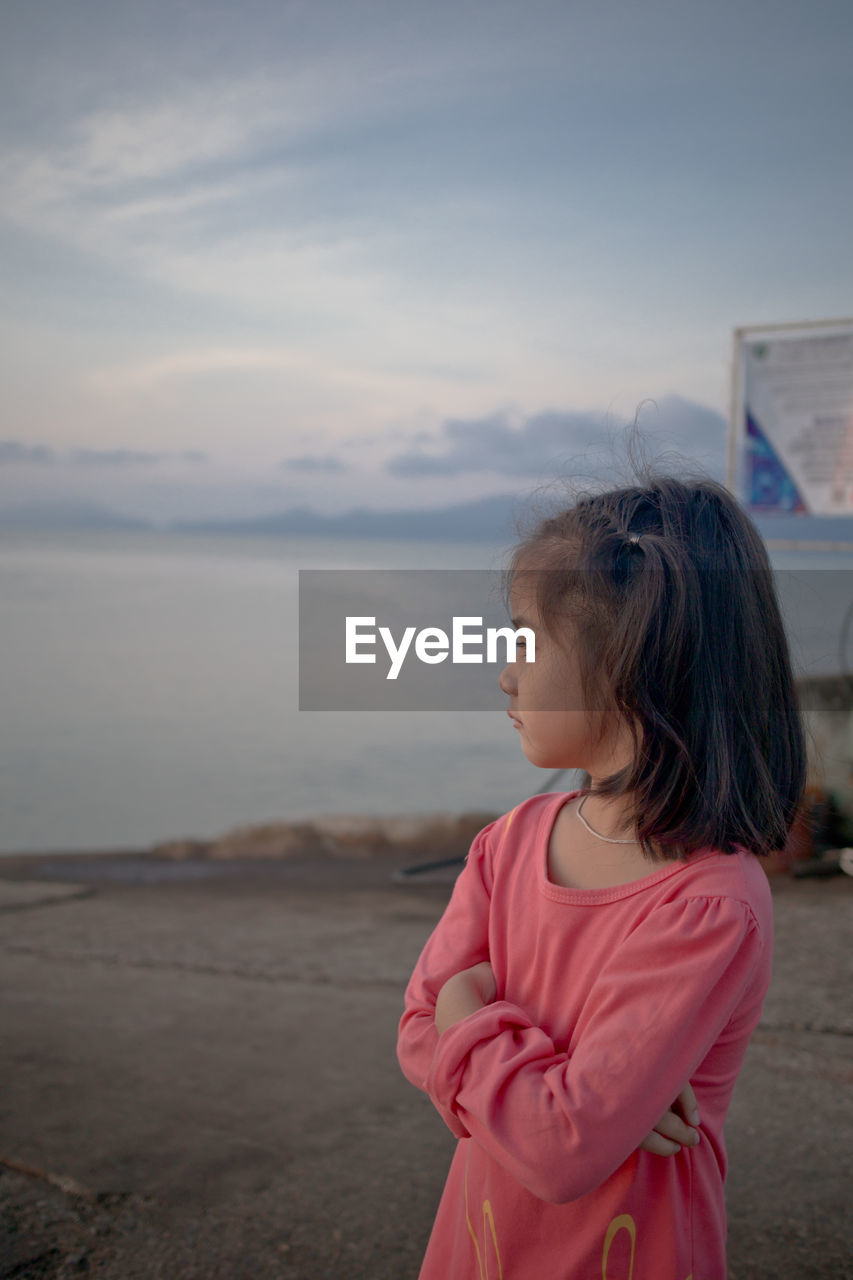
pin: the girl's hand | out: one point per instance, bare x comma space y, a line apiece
464, 993
671, 1130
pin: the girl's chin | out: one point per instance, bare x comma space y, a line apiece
544, 761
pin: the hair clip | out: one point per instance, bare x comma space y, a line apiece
634, 537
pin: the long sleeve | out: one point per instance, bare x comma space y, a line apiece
562, 1123
459, 940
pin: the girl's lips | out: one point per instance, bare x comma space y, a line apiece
515, 720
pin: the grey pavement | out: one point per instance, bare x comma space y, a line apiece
200, 1083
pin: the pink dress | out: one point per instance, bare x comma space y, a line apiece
609, 1001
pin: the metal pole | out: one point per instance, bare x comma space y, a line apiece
735, 415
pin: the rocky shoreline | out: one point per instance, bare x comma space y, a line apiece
338, 835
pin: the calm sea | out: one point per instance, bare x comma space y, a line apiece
149, 691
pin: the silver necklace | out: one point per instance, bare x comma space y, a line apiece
597, 834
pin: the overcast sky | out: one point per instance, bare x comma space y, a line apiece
383, 253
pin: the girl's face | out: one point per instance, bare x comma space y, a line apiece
546, 701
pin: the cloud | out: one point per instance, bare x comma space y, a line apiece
117, 155
232, 148
12, 451
300, 197
328, 462
173, 191
301, 375
502, 444
131, 457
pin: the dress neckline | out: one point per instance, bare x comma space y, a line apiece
592, 897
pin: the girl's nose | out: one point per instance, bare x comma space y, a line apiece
506, 681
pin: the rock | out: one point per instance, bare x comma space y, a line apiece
270, 840
341, 834
182, 849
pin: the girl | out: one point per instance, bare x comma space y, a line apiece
605, 954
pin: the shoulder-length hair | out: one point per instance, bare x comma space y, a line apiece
667, 594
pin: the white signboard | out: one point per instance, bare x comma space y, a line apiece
791, 434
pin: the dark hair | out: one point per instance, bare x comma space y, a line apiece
678, 632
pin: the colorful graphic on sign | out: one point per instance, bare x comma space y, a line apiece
769, 487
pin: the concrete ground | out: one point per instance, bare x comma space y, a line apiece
199, 1079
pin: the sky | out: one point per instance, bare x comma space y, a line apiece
387, 254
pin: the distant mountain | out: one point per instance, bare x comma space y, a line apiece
489, 519
66, 515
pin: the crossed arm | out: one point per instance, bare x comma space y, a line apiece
472, 989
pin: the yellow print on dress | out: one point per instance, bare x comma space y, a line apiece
623, 1222
488, 1233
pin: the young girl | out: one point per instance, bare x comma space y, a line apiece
605, 954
